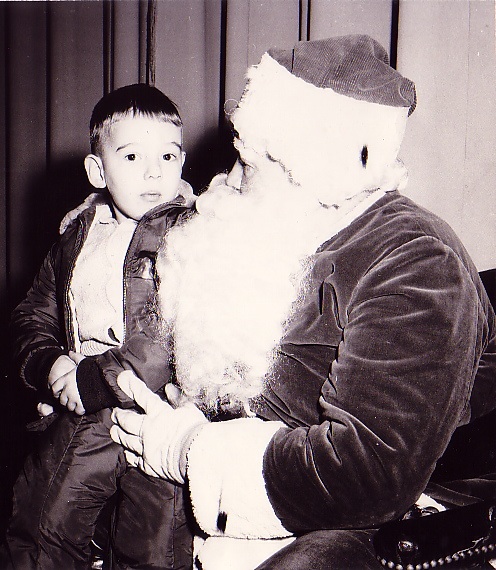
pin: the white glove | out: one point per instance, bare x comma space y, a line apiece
157, 441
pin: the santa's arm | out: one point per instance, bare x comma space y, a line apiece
222, 462
225, 474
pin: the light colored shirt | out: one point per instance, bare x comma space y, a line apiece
96, 288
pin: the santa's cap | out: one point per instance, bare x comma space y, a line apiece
334, 103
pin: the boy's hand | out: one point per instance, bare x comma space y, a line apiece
66, 390
76, 356
61, 366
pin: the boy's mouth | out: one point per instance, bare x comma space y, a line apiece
151, 196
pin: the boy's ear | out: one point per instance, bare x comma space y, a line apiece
183, 154
94, 170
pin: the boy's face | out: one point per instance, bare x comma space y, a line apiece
142, 163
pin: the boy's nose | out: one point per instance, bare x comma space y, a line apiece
153, 169
235, 176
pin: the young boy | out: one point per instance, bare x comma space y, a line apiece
86, 318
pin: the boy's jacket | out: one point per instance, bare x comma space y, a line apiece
42, 328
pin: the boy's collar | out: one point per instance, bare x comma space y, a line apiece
185, 197
186, 192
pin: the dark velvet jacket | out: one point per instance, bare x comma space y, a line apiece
392, 350
42, 327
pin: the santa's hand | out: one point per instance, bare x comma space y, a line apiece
157, 441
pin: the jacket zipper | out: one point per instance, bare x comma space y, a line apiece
151, 216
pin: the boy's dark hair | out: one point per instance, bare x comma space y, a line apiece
137, 99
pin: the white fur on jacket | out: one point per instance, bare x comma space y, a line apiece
230, 502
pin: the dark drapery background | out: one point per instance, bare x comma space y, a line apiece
59, 58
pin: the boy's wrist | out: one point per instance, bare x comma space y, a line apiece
40, 363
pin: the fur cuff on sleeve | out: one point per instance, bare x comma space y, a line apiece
224, 553
226, 480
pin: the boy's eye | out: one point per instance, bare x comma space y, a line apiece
168, 156
131, 157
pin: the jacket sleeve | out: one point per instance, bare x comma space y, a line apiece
37, 337
225, 477
413, 332
143, 352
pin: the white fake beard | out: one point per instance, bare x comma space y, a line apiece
229, 280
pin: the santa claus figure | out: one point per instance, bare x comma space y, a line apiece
329, 336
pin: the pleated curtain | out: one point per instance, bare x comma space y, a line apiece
59, 58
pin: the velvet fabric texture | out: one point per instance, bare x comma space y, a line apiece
390, 337
326, 550
356, 66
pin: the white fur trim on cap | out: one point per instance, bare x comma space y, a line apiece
226, 482
333, 145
